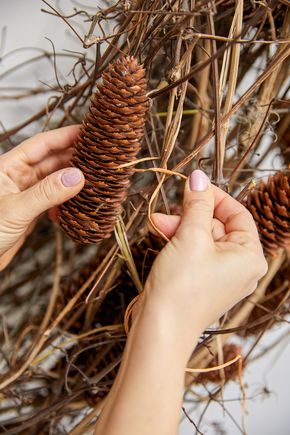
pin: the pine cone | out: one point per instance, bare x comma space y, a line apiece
275, 302
270, 207
230, 351
110, 136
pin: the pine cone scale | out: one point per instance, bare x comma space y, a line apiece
105, 112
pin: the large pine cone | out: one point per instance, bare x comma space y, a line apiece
270, 207
110, 136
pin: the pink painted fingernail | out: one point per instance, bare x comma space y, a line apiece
198, 180
71, 177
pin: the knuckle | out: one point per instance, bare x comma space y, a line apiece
248, 213
263, 267
6, 205
3, 204
240, 238
245, 211
252, 288
13, 218
259, 266
38, 136
196, 204
44, 191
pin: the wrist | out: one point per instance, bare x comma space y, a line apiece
168, 326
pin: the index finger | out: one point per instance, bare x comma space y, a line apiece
234, 215
36, 148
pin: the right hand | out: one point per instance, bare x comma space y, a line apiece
213, 260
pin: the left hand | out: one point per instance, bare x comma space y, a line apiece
32, 181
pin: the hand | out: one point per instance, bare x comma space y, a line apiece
29, 184
213, 259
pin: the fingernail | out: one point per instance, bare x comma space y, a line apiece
198, 180
71, 177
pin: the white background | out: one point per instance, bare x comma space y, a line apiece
267, 414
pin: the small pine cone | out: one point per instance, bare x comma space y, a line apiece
276, 301
230, 351
69, 287
110, 136
270, 207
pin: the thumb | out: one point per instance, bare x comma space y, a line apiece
53, 190
198, 207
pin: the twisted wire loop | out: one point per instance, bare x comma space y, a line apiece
110, 135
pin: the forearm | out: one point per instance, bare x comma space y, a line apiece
147, 395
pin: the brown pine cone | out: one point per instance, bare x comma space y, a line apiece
273, 306
230, 351
110, 136
269, 204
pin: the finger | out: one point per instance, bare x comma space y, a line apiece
198, 207
218, 229
8, 256
232, 213
47, 193
52, 163
167, 224
35, 149
42, 169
